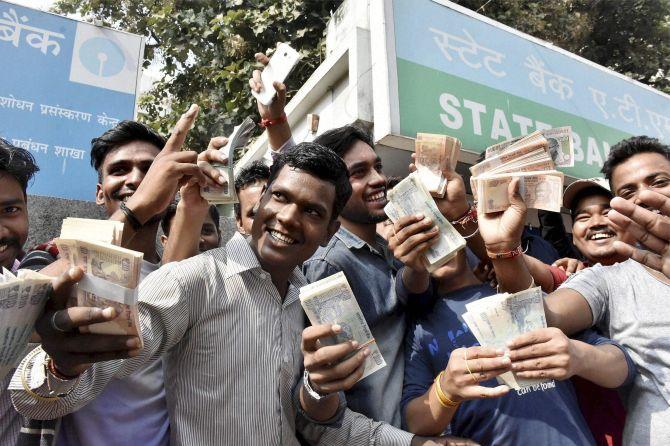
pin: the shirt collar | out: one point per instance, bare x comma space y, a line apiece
240, 258
15, 266
352, 241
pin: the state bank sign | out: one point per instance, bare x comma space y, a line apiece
452, 71
63, 83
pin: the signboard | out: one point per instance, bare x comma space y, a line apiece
64, 82
462, 74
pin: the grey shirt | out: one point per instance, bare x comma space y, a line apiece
633, 307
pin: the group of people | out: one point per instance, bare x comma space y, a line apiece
228, 356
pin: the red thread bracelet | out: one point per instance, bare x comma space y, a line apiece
265, 123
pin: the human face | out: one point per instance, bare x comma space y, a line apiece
122, 171
13, 219
592, 233
210, 237
294, 217
368, 185
248, 198
639, 172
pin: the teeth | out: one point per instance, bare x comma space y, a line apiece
601, 235
283, 238
377, 196
3, 248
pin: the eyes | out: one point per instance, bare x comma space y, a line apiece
362, 171
11, 210
312, 211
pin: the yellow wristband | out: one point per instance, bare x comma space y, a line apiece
441, 396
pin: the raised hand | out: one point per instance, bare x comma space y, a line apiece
171, 169
414, 234
454, 204
546, 353
64, 333
213, 155
276, 107
650, 228
501, 231
570, 266
467, 367
330, 369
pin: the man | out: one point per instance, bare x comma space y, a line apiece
249, 185
245, 294
210, 233
137, 180
17, 167
628, 300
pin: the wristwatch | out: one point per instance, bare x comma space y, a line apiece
313, 393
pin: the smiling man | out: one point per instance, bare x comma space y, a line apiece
229, 309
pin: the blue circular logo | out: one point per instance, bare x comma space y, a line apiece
101, 57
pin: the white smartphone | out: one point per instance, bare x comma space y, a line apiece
281, 63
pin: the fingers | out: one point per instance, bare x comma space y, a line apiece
513, 194
553, 373
262, 58
483, 352
487, 392
216, 143
530, 338
74, 317
181, 129
345, 383
411, 225
653, 261
61, 286
643, 234
182, 170
339, 368
656, 224
330, 354
92, 343
655, 201
312, 334
280, 88
542, 363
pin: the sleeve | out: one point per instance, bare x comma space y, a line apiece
591, 283
166, 308
558, 275
354, 429
36, 260
419, 373
592, 337
415, 303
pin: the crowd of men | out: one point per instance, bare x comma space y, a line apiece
228, 356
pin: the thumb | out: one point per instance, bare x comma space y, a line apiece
62, 286
514, 196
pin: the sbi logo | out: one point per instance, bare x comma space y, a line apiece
101, 57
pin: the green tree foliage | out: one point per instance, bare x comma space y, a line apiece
207, 46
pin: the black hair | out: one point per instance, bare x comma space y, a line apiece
587, 192
623, 150
341, 139
321, 162
18, 163
166, 221
251, 174
123, 133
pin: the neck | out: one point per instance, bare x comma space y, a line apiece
365, 231
144, 241
461, 279
279, 276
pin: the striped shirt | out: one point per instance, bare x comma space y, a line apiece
232, 357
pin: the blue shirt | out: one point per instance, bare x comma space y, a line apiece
546, 414
371, 271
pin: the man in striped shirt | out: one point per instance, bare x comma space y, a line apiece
229, 323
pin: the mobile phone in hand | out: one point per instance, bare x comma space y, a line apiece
281, 63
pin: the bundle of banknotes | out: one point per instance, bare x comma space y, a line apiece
22, 299
225, 193
496, 319
106, 231
435, 153
411, 197
331, 301
533, 159
112, 274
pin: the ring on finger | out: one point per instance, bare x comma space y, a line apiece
467, 367
55, 326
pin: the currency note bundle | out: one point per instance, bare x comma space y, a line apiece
410, 197
533, 159
225, 193
434, 153
112, 274
22, 299
331, 301
496, 319
106, 231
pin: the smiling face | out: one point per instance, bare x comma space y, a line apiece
639, 172
592, 232
368, 184
248, 198
294, 217
13, 219
122, 171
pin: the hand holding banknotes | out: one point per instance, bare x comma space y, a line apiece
63, 330
468, 367
213, 155
546, 353
276, 107
454, 203
651, 228
332, 368
171, 169
501, 231
414, 234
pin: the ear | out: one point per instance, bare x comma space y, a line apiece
333, 226
99, 195
163, 240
